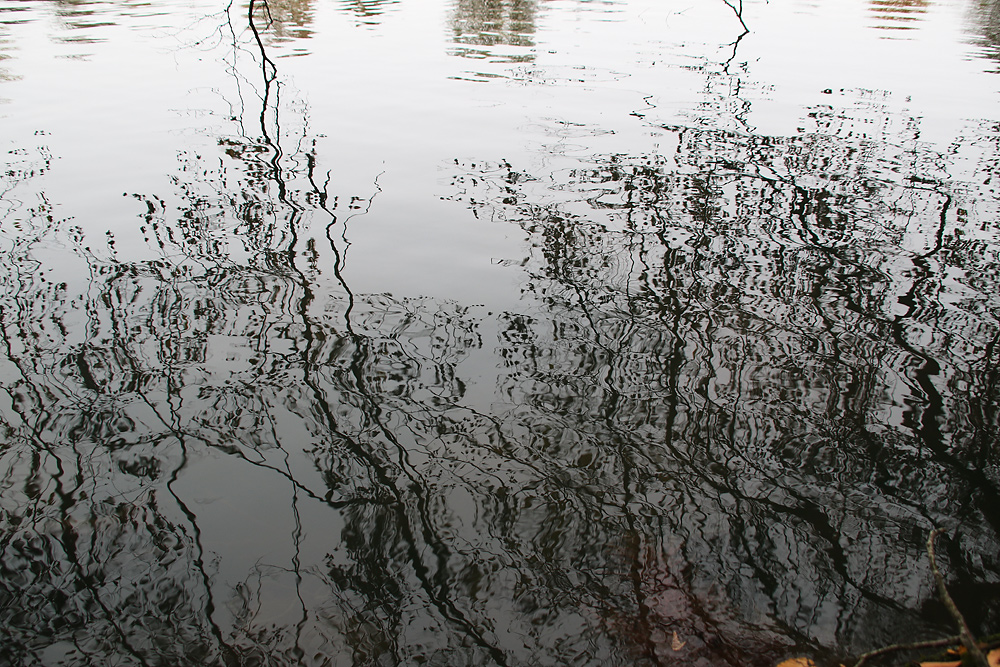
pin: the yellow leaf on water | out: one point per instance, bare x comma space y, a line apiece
993, 657
677, 644
957, 663
797, 662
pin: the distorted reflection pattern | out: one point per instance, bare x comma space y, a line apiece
782, 353
482, 27
368, 12
986, 22
9, 18
897, 14
747, 374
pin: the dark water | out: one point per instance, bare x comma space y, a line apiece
496, 331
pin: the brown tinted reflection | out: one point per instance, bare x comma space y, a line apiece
985, 19
367, 12
897, 14
284, 20
478, 25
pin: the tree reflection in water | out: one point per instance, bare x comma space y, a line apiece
750, 374
897, 15
480, 26
367, 12
986, 19
284, 20
790, 346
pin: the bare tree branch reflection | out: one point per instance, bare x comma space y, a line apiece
745, 377
766, 397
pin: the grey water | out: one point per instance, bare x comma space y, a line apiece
514, 332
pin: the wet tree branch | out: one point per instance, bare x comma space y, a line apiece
892, 648
968, 641
964, 636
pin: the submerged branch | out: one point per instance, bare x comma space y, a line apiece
892, 648
968, 641
964, 636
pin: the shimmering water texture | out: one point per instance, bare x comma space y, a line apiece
496, 332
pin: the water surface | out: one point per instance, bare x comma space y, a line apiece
496, 331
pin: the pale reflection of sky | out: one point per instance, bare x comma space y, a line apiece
387, 98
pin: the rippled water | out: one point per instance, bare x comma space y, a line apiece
512, 332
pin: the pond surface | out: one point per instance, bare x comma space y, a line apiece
519, 332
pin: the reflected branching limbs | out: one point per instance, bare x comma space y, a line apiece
822, 224
415, 532
265, 59
738, 10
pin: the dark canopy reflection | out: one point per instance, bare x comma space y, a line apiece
734, 336
750, 373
